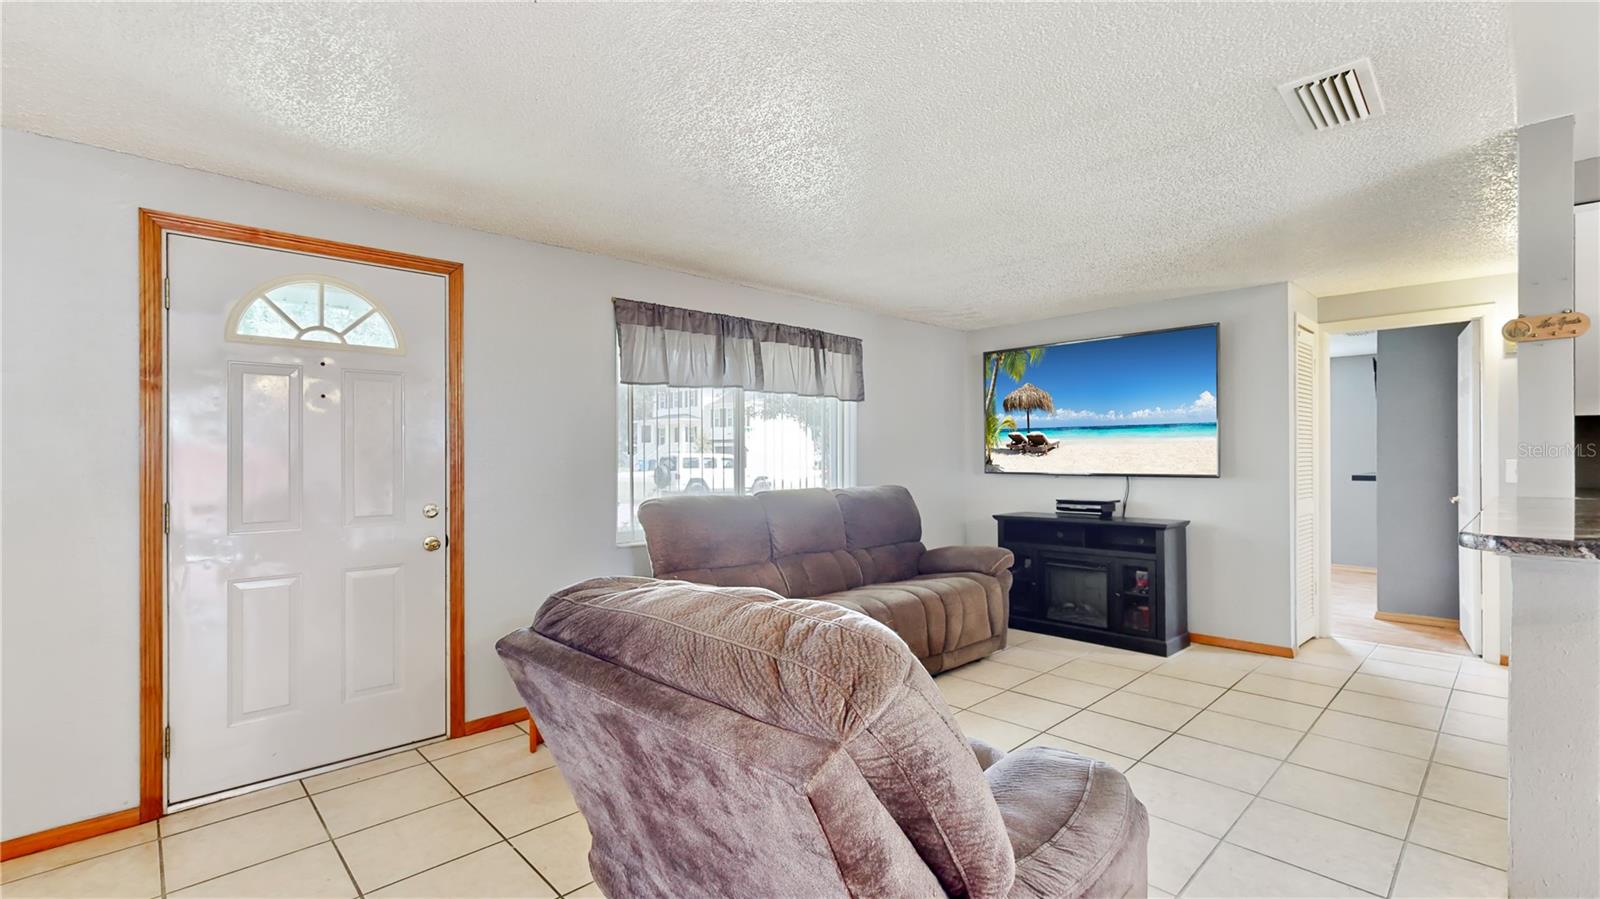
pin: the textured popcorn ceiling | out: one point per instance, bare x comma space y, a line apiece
964, 165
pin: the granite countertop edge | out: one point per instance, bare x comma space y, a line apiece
1547, 527
1532, 546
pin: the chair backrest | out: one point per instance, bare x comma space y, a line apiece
796, 543
729, 742
1037, 438
1018, 438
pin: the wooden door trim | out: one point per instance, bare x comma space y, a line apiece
153, 226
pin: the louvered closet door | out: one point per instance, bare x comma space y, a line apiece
1306, 599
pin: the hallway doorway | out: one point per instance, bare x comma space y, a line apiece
1353, 606
1404, 439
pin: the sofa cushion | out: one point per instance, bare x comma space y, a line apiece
803, 521
819, 670
699, 532
813, 574
877, 516
934, 615
890, 562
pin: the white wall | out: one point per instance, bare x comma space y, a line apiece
1238, 540
538, 359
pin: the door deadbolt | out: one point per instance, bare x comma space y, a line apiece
431, 510
431, 543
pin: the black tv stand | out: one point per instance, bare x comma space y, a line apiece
1118, 582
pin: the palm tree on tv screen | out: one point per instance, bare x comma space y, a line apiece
1015, 364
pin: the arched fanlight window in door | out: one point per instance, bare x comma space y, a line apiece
313, 309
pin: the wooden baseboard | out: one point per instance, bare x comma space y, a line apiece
1423, 620
490, 722
68, 833
1286, 652
1354, 569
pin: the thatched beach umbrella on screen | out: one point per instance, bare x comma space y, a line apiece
1026, 399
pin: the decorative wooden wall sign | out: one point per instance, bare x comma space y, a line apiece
1553, 326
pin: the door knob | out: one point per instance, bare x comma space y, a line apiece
1455, 500
431, 543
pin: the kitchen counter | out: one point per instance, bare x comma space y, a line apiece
1558, 528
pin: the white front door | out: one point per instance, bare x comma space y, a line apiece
306, 619
1469, 497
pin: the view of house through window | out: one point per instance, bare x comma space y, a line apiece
729, 441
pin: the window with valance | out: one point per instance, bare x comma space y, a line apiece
710, 403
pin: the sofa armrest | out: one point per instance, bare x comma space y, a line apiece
987, 753
1074, 824
990, 560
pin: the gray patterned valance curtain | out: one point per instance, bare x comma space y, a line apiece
686, 348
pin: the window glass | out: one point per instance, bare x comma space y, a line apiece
725, 441
260, 319
298, 302
342, 308
314, 310
373, 331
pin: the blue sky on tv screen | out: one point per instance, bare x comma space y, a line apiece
1144, 379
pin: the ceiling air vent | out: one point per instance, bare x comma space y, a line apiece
1337, 97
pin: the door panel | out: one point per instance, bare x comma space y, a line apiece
373, 446
373, 636
264, 451
306, 623
1306, 581
260, 647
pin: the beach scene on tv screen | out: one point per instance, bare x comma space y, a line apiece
1134, 404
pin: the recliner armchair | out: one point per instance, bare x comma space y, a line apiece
860, 548
729, 742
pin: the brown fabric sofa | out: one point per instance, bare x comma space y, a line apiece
725, 742
860, 548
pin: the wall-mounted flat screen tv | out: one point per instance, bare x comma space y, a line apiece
1132, 404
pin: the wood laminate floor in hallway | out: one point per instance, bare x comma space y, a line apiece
1354, 595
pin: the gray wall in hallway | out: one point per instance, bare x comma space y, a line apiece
1353, 433
1417, 572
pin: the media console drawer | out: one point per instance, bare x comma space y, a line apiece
1118, 582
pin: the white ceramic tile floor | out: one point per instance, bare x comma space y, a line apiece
1326, 775
1351, 770
479, 816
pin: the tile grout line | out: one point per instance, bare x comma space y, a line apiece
485, 818
1416, 798
1416, 808
1257, 796
535, 867
161, 861
306, 794
254, 864
337, 853
236, 817
1219, 840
